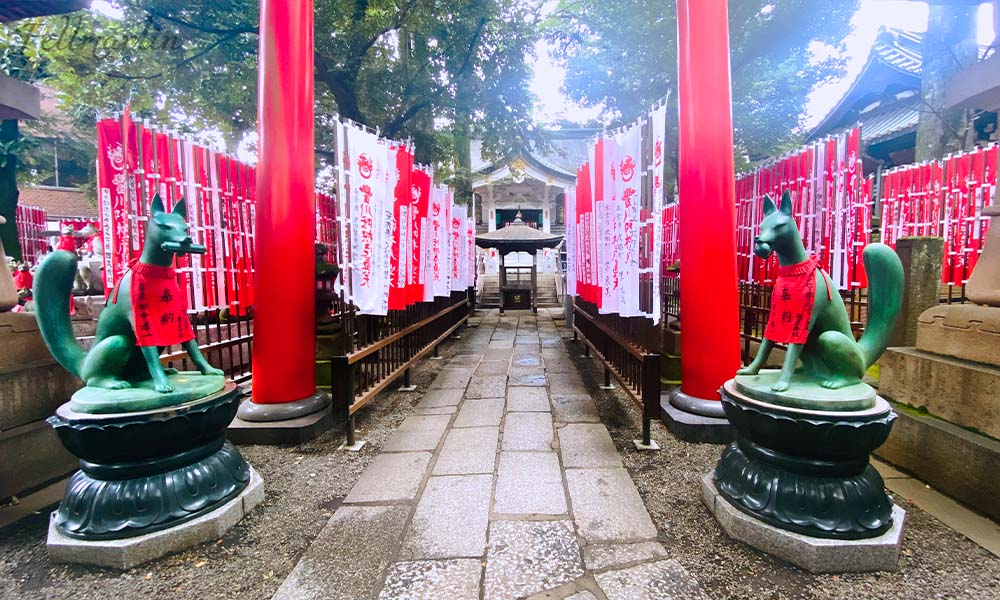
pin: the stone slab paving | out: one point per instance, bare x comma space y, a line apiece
527, 431
526, 557
438, 398
457, 579
574, 409
529, 483
662, 580
607, 507
391, 477
528, 399
468, 451
452, 378
362, 537
480, 412
418, 432
502, 484
587, 445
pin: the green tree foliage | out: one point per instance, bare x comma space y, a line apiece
949, 46
402, 66
623, 55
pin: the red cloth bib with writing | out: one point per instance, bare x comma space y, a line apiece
792, 302
159, 310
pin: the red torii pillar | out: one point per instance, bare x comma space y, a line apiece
284, 338
710, 338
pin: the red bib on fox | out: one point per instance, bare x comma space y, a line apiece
158, 307
792, 301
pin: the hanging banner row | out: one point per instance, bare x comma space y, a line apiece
943, 199
405, 239
134, 163
614, 225
397, 238
832, 206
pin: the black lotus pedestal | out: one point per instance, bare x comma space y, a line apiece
150, 482
798, 483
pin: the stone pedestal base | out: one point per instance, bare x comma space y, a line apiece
692, 426
286, 423
126, 553
956, 461
816, 555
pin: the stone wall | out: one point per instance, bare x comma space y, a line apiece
32, 386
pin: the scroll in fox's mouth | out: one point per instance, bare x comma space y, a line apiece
185, 247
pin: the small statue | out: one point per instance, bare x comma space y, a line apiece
326, 274
145, 313
808, 314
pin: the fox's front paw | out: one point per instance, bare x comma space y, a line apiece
170, 371
212, 371
780, 386
163, 387
751, 370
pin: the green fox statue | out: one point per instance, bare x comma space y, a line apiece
122, 355
826, 346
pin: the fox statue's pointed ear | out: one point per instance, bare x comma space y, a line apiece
769, 206
157, 206
180, 209
786, 203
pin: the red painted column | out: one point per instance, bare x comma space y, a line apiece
284, 336
710, 342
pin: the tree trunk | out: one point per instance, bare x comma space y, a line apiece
8, 192
462, 137
949, 46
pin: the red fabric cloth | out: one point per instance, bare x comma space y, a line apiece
67, 243
792, 302
159, 309
23, 280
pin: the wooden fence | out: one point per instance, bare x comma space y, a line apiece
380, 350
628, 347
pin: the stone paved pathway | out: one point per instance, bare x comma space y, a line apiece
503, 484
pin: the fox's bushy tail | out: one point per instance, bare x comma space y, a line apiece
52, 291
885, 298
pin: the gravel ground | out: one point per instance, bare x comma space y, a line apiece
936, 561
303, 484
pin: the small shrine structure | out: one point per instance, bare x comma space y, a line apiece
518, 284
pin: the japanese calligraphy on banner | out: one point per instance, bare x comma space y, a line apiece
401, 242
439, 264
371, 193
830, 205
572, 267
943, 199
658, 129
459, 248
614, 228
626, 198
136, 162
112, 200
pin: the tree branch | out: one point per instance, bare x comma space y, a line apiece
201, 28
393, 127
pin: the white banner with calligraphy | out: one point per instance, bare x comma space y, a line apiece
658, 125
369, 196
627, 184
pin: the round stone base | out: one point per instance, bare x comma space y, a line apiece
806, 471
142, 472
814, 554
126, 553
283, 411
